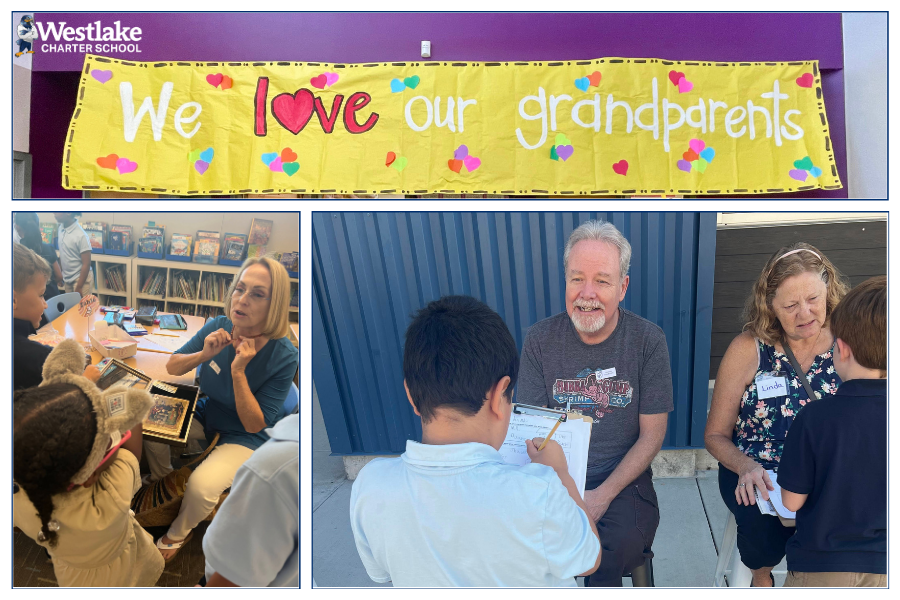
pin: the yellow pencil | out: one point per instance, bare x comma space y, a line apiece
552, 431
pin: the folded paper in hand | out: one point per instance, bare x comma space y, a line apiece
774, 505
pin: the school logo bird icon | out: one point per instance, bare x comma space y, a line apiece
27, 34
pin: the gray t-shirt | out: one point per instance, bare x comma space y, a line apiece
624, 376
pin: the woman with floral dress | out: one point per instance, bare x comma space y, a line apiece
758, 392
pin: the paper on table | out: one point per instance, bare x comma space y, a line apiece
169, 343
573, 435
774, 505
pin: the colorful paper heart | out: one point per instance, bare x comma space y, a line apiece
319, 81
391, 157
126, 166
207, 155
331, 78
461, 152
621, 167
806, 80
553, 154
401, 163
697, 145
108, 161
288, 155
804, 163
690, 156
798, 174
455, 165
684, 86
411, 82
815, 172
562, 140
290, 168
699, 164
268, 157
194, 155
684, 165
276, 165
583, 83
227, 82
293, 111
471, 163
214, 80
708, 155
101, 75
565, 151
397, 86
594, 78
675, 76
201, 166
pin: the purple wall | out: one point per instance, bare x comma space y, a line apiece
368, 37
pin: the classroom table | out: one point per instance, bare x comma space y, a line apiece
151, 358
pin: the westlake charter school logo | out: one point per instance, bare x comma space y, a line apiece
93, 37
588, 393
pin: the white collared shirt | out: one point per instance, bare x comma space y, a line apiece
73, 241
457, 515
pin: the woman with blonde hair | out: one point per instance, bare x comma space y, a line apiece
781, 361
248, 364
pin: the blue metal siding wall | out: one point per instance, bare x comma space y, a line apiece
371, 271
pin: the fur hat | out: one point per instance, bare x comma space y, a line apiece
118, 409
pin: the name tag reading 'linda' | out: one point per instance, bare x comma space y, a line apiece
771, 386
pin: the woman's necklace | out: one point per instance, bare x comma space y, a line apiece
812, 356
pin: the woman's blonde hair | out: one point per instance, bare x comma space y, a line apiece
759, 317
277, 325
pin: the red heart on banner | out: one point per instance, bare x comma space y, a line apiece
288, 155
293, 111
594, 78
227, 82
214, 80
455, 165
108, 162
674, 76
391, 157
690, 155
319, 82
621, 167
806, 80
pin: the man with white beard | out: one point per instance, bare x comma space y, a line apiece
608, 363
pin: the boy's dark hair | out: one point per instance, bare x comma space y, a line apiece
860, 319
53, 433
456, 349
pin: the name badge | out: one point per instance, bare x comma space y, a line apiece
607, 373
771, 386
214, 367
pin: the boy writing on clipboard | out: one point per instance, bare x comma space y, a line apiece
449, 511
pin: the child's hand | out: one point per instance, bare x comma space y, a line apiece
214, 343
552, 455
92, 373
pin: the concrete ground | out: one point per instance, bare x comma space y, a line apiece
692, 519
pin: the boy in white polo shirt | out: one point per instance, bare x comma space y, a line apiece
449, 511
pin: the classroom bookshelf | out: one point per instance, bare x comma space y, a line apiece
112, 278
186, 288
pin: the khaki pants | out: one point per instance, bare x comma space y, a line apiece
205, 486
842, 579
86, 289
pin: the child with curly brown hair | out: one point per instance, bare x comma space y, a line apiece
75, 468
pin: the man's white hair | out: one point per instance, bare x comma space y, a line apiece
602, 231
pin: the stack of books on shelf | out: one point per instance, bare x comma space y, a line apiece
120, 237
96, 232
49, 232
180, 244
290, 261
182, 285
114, 278
206, 248
214, 286
295, 296
154, 283
258, 240
153, 240
208, 312
233, 247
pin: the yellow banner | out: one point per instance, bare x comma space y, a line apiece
603, 126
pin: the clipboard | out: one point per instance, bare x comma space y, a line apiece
573, 434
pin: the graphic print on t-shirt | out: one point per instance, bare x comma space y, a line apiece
592, 395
